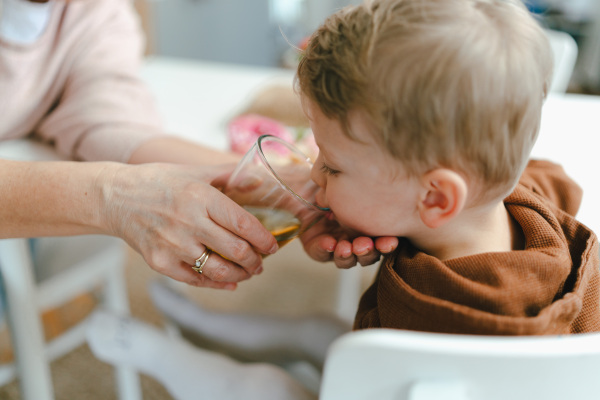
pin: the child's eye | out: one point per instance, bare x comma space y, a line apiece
325, 169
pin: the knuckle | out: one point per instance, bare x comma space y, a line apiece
368, 260
158, 261
346, 264
201, 284
219, 273
243, 223
199, 281
323, 256
240, 250
316, 253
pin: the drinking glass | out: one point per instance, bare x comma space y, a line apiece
272, 182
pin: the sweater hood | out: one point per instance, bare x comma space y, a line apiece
550, 287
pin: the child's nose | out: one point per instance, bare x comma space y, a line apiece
321, 199
317, 176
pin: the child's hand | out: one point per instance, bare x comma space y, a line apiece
362, 250
328, 241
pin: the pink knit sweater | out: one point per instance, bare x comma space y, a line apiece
77, 86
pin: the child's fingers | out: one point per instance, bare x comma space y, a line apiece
386, 244
364, 250
343, 256
321, 248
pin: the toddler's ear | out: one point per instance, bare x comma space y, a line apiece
443, 197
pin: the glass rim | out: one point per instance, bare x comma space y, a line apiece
294, 149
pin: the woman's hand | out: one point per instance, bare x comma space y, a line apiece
328, 241
171, 213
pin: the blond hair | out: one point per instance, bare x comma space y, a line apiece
444, 83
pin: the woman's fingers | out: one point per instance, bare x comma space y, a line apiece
216, 271
238, 235
171, 213
232, 258
185, 273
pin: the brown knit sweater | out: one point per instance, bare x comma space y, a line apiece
551, 287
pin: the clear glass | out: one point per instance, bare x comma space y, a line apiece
272, 182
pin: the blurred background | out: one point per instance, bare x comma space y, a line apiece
236, 31
261, 32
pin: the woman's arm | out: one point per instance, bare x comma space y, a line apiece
168, 213
172, 149
50, 198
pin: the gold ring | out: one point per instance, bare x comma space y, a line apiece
201, 261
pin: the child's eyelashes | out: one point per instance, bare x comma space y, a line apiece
329, 171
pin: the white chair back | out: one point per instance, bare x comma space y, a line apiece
388, 364
564, 50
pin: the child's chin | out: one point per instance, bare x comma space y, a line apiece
352, 231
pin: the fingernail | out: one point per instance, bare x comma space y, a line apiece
274, 249
259, 270
230, 286
362, 252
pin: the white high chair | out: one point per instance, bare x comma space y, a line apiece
564, 50
83, 263
386, 364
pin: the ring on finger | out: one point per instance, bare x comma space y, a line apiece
201, 261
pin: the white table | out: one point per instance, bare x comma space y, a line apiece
197, 98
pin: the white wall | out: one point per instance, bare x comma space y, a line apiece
236, 31
318, 10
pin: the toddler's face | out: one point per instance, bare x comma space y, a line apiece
363, 185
